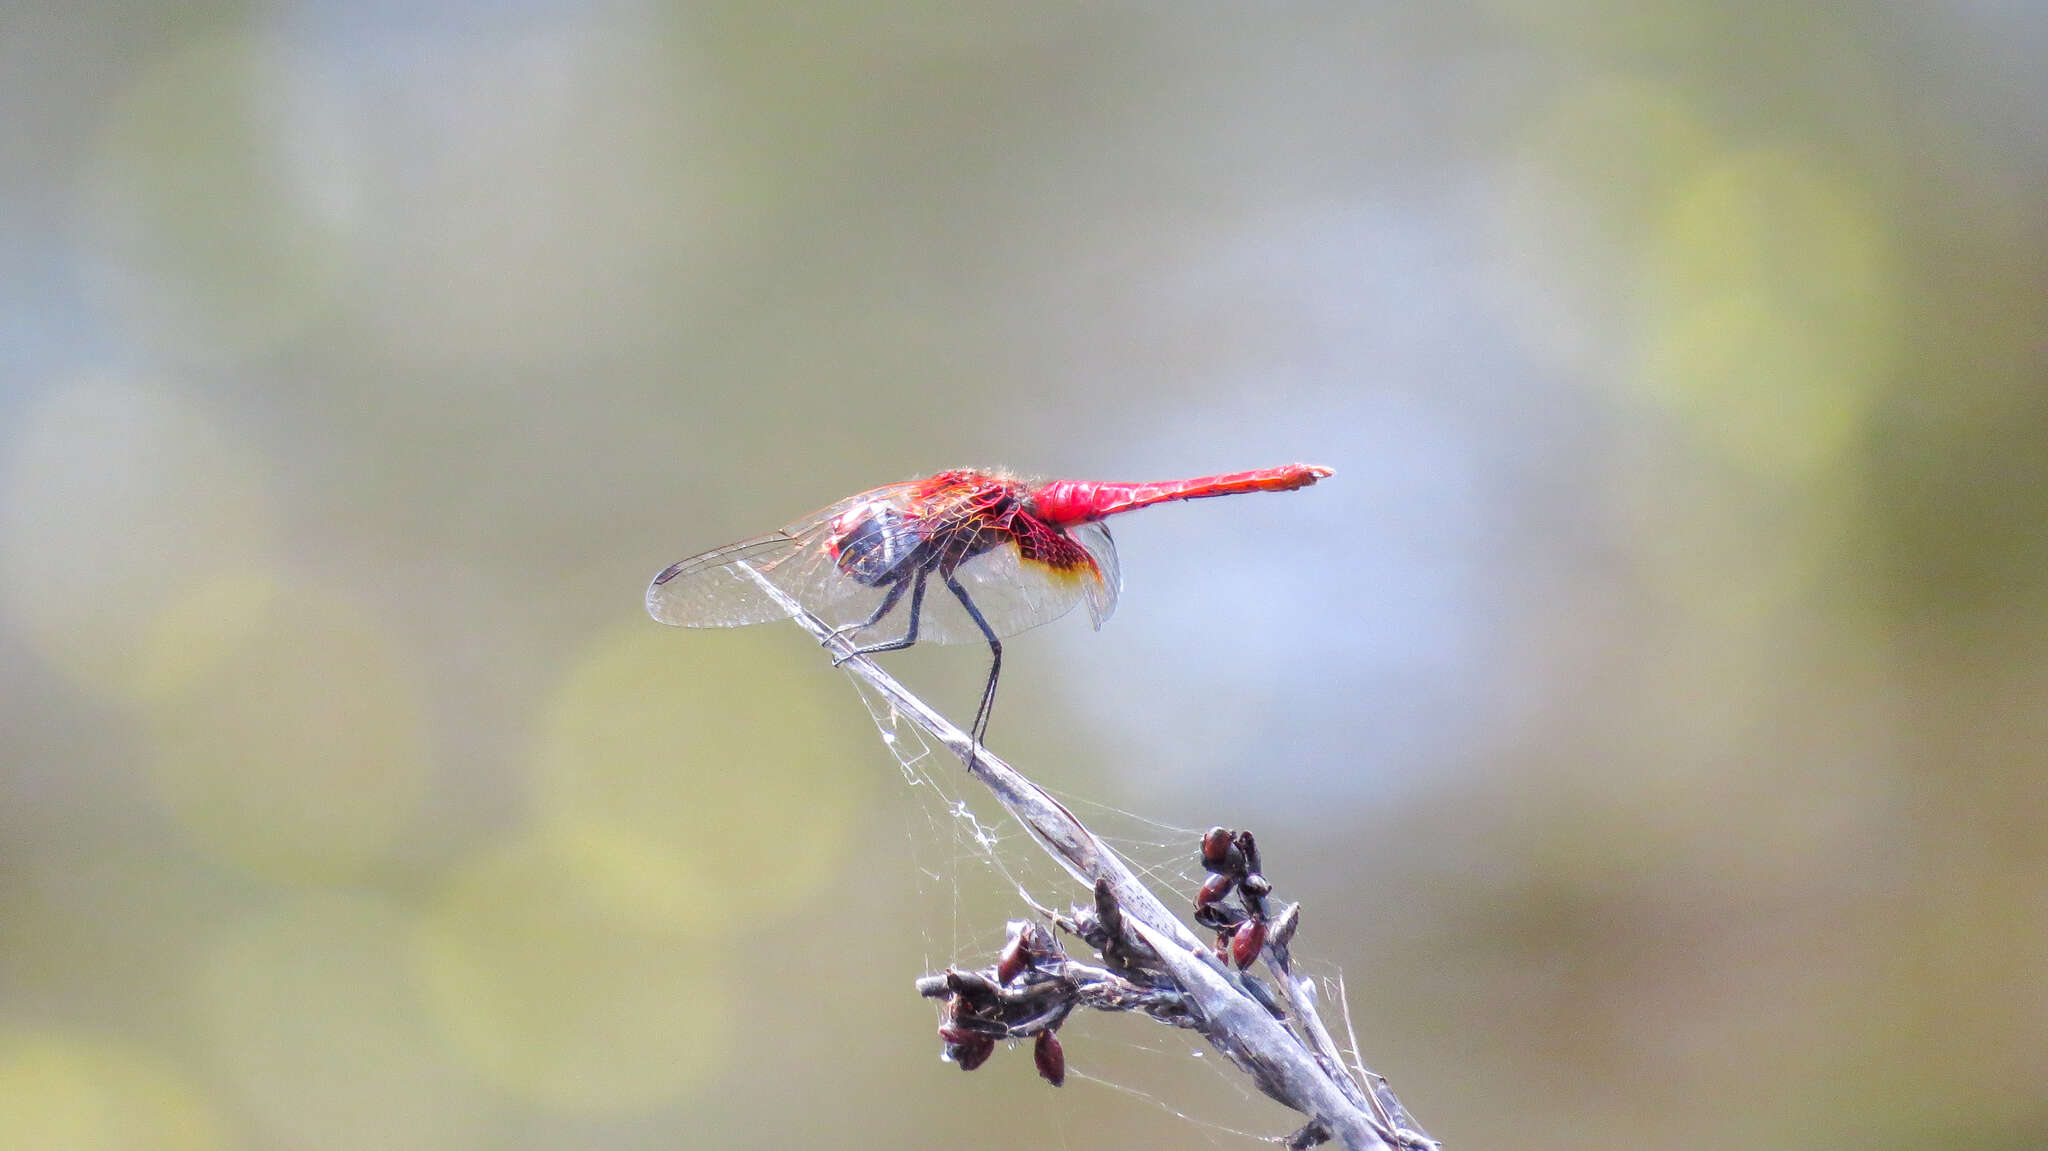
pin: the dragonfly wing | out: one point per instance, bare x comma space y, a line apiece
710, 590
1016, 591
1109, 577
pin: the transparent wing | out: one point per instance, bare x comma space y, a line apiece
710, 590
1015, 593
1109, 581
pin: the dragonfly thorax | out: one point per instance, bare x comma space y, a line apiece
876, 548
879, 543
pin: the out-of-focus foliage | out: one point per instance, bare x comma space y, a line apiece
1650, 712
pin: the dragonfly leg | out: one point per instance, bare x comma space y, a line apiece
909, 637
995, 667
889, 601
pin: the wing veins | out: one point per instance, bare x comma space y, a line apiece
749, 549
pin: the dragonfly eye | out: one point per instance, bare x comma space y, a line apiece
873, 549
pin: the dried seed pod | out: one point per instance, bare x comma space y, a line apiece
1257, 989
1214, 890
1015, 957
1250, 848
1313, 1135
1051, 1060
1221, 854
1107, 913
1115, 950
1221, 916
1283, 927
1215, 847
1255, 886
1037, 939
1246, 943
964, 1016
971, 1053
976, 989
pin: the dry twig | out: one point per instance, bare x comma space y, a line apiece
1154, 962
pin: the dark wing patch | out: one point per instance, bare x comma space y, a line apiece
1049, 546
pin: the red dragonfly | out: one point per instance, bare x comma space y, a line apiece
1014, 553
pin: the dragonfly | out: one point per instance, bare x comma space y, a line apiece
1013, 553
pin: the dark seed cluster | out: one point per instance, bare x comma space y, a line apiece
1015, 999
1033, 987
1232, 860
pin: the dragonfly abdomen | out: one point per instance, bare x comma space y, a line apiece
1065, 503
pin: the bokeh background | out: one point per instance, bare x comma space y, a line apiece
1650, 712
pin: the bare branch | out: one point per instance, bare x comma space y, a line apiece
1227, 1008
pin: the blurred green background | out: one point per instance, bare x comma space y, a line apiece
1650, 712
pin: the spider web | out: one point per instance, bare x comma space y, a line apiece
974, 860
